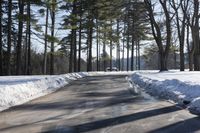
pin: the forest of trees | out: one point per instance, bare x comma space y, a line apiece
96, 34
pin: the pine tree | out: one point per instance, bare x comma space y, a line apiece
9, 32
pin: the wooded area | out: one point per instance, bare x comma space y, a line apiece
97, 34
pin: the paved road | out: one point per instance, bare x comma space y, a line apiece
101, 104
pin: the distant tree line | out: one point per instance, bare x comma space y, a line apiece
103, 25
93, 31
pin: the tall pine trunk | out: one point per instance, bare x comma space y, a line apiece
111, 46
80, 39
75, 51
104, 52
25, 50
9, 30
52, 35
139, 62
190, 52
29, 40
123, 48
97, 40
45, 43
1, 43
71, 55
127, 63
19, 41
90, 36
132, 53
182, 44
74, 34
118, 48
195, 34
132, 45
123, 54
79, 49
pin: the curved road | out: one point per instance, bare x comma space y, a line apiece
98, 104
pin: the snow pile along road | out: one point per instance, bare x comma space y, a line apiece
15, 90
180, 87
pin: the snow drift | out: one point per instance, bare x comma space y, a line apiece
15, 90
180, 87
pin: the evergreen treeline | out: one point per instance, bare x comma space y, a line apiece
87, 25
91, 28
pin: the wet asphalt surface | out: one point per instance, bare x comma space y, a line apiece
99, 104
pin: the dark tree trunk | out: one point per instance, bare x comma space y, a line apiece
75, 50
123, 54
127, 64
80, 39
29, 40
111, 45
190, 52
133, 45
182, 44
123, 49
1, 43
132, 53
104, 53
25, 50
99, 55
19, 41
163, 52
136, 56
45, 43
182, 58
71, 56
128, 34
191, 68
90, 35
195, 34
181, 35
163, 61
79, 51
118, 48
52, 35
139, 55
97, 39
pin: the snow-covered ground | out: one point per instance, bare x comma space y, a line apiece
180, 87
15, 90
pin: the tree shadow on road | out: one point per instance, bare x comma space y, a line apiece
94, 125
186, 126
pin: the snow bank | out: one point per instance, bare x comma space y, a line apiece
15, 90
180, 87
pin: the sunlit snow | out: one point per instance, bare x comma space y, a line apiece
180, 87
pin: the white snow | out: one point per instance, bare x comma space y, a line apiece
180, 87
15, 90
